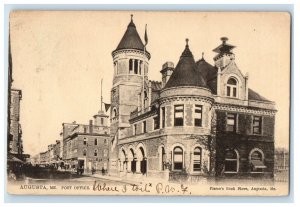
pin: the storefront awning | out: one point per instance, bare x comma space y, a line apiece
258, 164
12, 158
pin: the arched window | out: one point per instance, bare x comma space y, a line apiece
197, 159
231, 87
96, 153
178, 158
231, 161
96, 141
116, 67
105, 141
114, 113
257, 161
84, 141
84, 152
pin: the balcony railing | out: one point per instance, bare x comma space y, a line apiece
135, 114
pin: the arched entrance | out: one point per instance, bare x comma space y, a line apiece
131, 165
123, 161
141, 161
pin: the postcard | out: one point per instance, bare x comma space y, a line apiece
148, 103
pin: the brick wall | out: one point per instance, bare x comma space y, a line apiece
244, 141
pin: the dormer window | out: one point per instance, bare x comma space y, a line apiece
231, 87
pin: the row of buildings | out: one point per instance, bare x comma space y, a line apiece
15, 152
81, 146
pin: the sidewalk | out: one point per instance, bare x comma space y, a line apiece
131, 180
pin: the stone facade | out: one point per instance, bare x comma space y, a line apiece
203, 120
86, 146
89, 150
15, 142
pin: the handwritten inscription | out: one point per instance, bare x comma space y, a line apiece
159, 188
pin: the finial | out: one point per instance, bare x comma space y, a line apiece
202, 55
224, 39
187, 41
131, 17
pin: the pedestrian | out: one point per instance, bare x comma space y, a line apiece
82, 170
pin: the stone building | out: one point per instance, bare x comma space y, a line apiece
44, 158
15, 142
56, 153
86, 146
201, 120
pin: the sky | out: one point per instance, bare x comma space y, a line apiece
60, 57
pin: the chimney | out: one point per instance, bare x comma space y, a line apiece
225, 54
91, 126
166, 72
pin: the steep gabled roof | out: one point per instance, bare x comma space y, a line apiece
252, 95
156, 87
185, 73
207, 71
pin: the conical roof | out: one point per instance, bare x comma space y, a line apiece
185, 73
131, 39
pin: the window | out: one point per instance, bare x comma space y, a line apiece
96, 153
257, 161
114, 114
163, 158
116, 67
136, 62
231, 161
140, 67
178, 115
145, 99
96, 141
84, 141
231, 88
197, 159
156, 122
102, 121
105, 153
257, 123
231, 122
163, 117
178, 158
198, 115
130, 66
144, 126
134, 129
84, 152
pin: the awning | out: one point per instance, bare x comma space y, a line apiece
12, 158
258, 164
